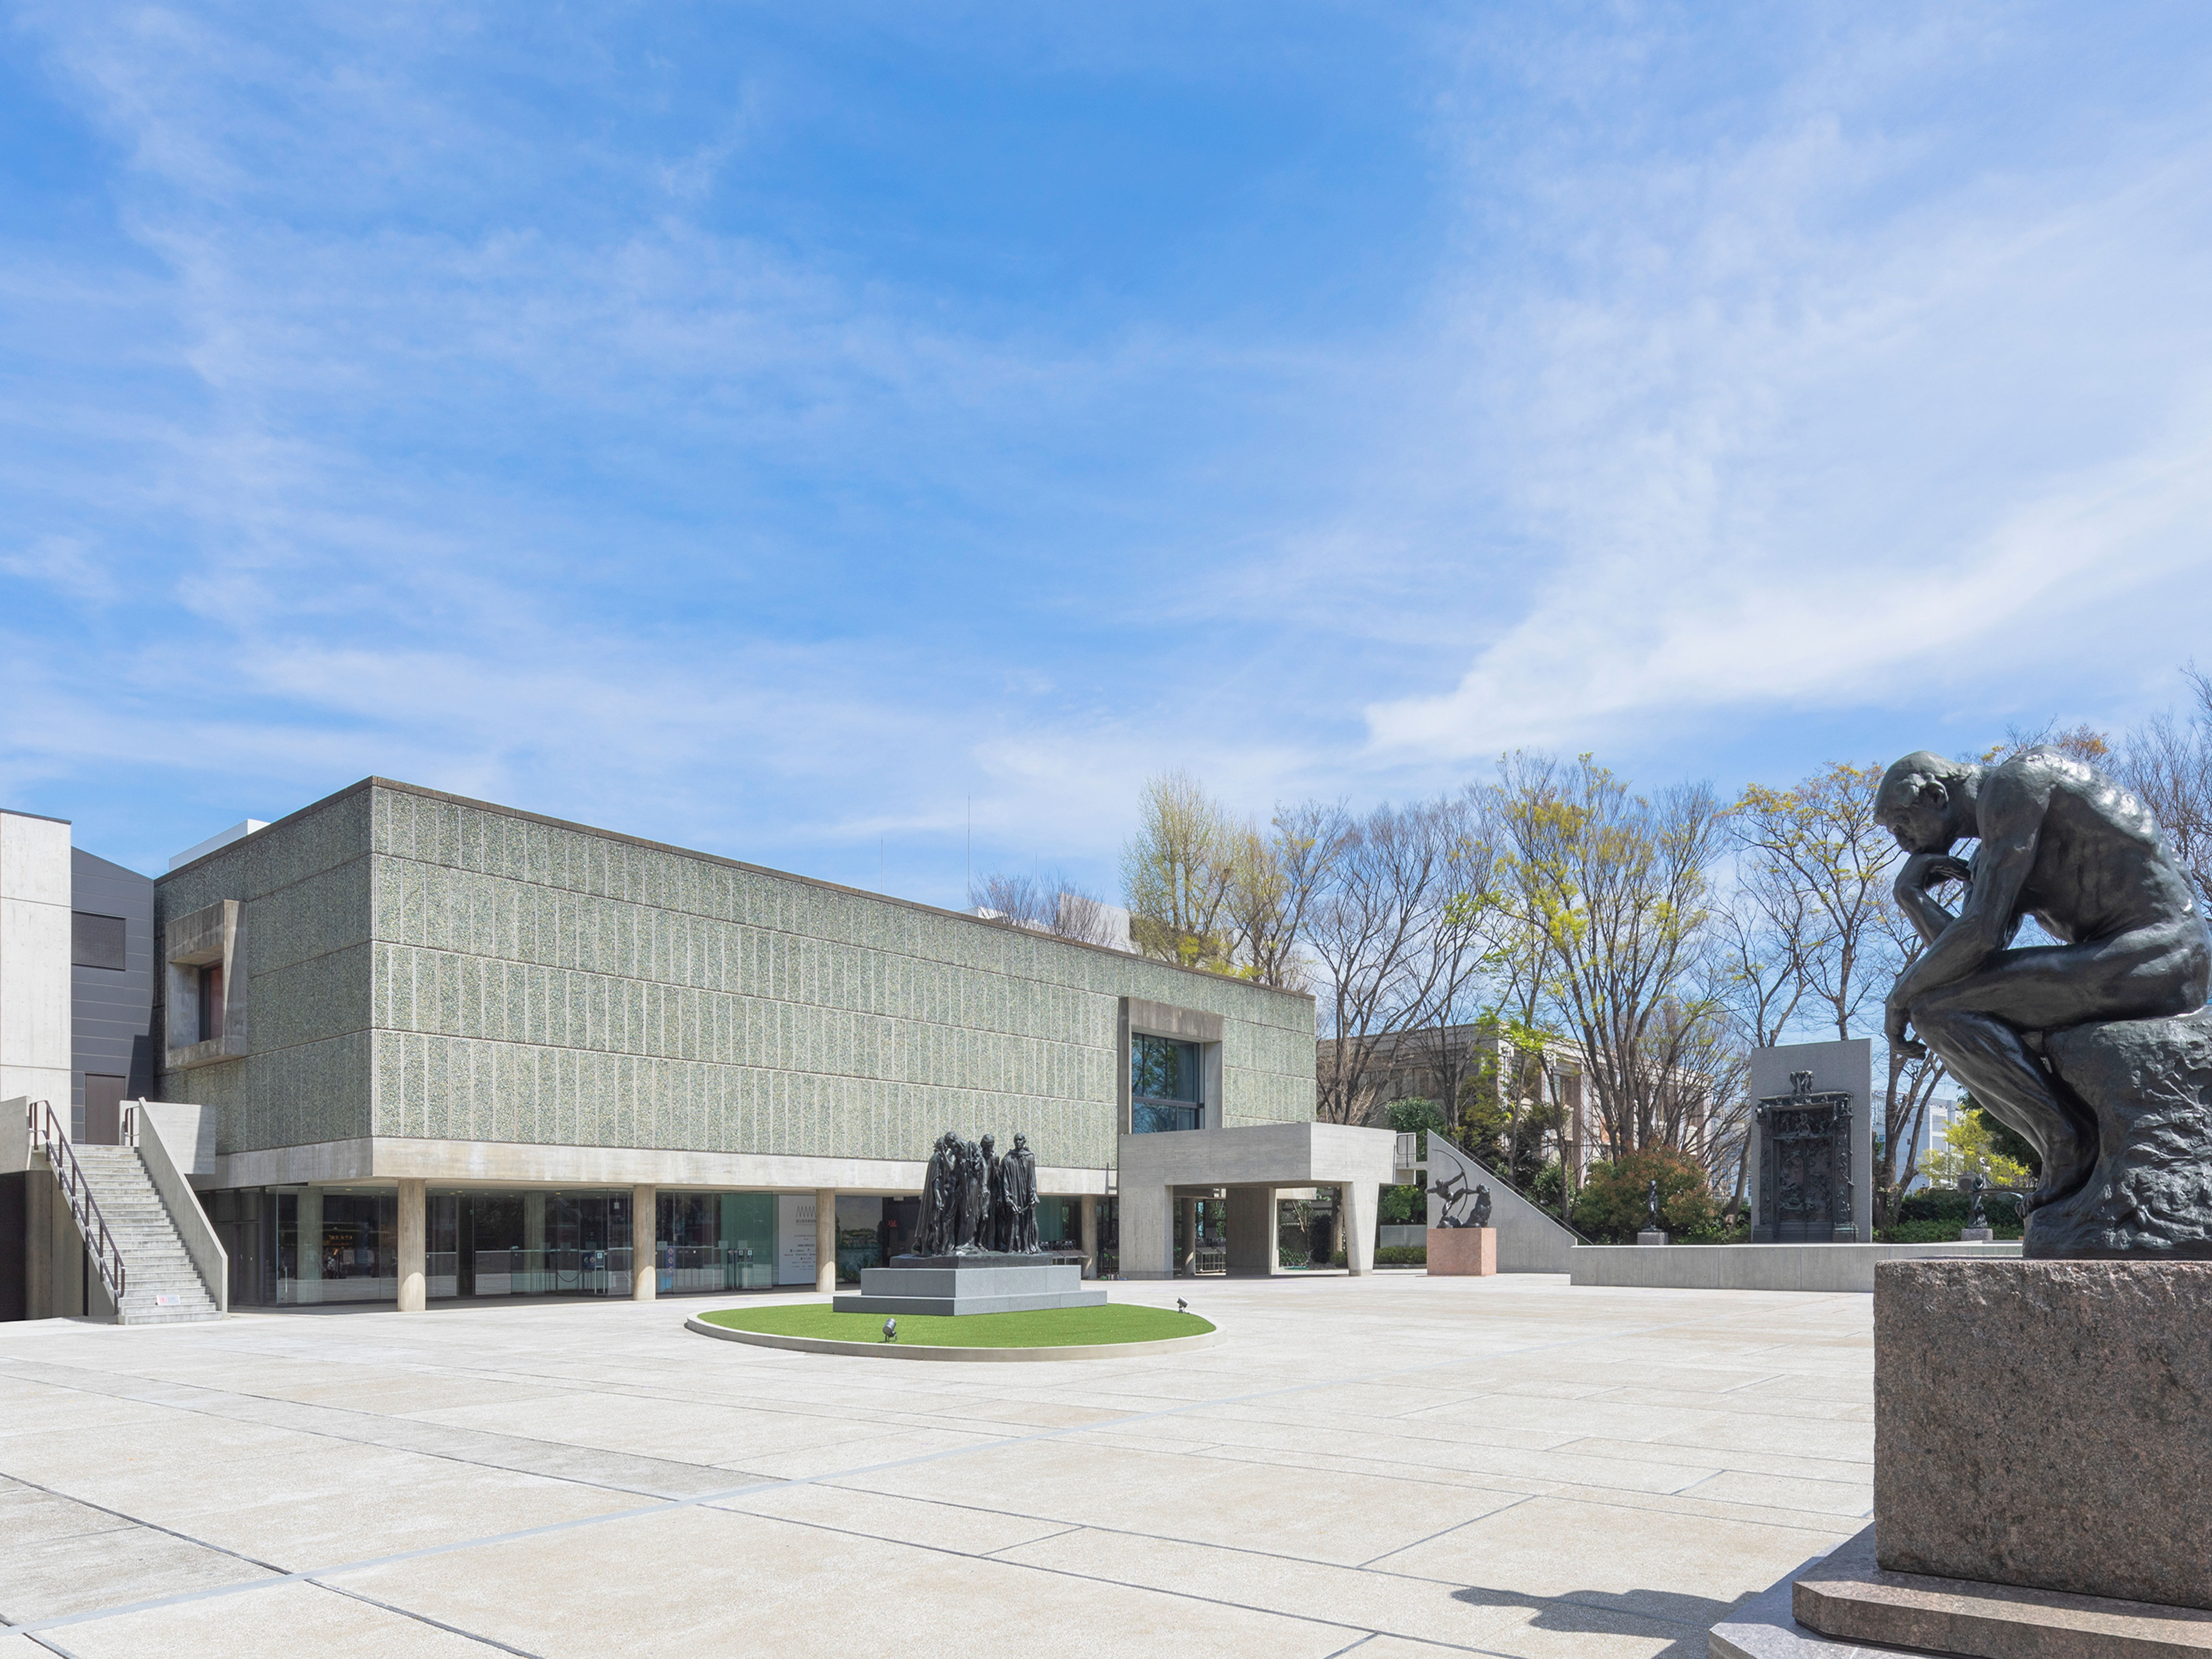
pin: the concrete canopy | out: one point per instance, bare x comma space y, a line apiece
1252, 1163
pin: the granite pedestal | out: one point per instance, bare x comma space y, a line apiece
1468, 1252
2046, 1423
1652, 1240
2039, 1468
955, 1285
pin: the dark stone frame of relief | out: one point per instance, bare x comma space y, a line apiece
1815, 1130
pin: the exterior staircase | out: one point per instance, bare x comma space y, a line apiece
161, 1286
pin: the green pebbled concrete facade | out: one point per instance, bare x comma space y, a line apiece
415, 986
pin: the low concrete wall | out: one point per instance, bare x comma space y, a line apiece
1755, 1267
1391, 1236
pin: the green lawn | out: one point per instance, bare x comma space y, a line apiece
1047, 1328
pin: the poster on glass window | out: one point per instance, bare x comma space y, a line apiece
794, 1238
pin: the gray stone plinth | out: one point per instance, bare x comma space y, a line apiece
2149, 1082
1977, 1234
970, 1285
2046, 1423
1651, 1238
1849, 1597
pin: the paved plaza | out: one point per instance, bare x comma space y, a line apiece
1391, 1466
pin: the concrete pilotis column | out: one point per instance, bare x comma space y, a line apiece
1186, 1264
1356, 1204
414, 1238
644, 1259
1252, 1230
825, 1240
1147, 1216
1090, 1233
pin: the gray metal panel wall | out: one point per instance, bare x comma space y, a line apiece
112, 1011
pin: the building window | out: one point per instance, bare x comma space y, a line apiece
1166, 1087
96, 941
210, 1002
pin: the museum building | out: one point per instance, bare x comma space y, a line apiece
416, 1047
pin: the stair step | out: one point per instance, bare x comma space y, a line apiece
160, 1284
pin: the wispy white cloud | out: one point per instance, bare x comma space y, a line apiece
1798, 431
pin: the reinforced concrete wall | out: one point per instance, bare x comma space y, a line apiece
432, 968
34, 958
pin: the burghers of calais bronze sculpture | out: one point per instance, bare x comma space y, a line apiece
2097, 1050
974, 1202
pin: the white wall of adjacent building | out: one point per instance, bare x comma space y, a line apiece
35, 959
1940, 1116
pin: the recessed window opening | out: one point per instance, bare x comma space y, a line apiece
1166, 1086
96, 941
210, 1002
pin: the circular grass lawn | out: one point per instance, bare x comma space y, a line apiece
1044, 1327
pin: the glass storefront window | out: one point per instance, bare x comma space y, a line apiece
528, 1243
715, 1242
1059, 1223
335, 1246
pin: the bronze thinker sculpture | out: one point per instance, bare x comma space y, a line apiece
2097, 1050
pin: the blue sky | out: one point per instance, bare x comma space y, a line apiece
788, 430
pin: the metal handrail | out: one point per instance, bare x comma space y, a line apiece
46, 1133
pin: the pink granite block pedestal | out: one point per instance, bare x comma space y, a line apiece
1463, 1251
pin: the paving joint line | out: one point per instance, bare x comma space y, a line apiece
436, 1623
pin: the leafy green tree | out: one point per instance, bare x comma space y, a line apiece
1977, 1144
1415, 1115
1613, 1205
1616, 888
1176, 872
1404, 1207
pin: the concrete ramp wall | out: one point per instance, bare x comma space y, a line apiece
1529, 1241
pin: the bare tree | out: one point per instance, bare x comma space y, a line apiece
1820, 843
1274, 881
2170, 767
1046, 903
1391, 927
1176, 872
1013, 900
1618, 885
1079, 914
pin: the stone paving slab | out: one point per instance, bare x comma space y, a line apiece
1391, 1466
